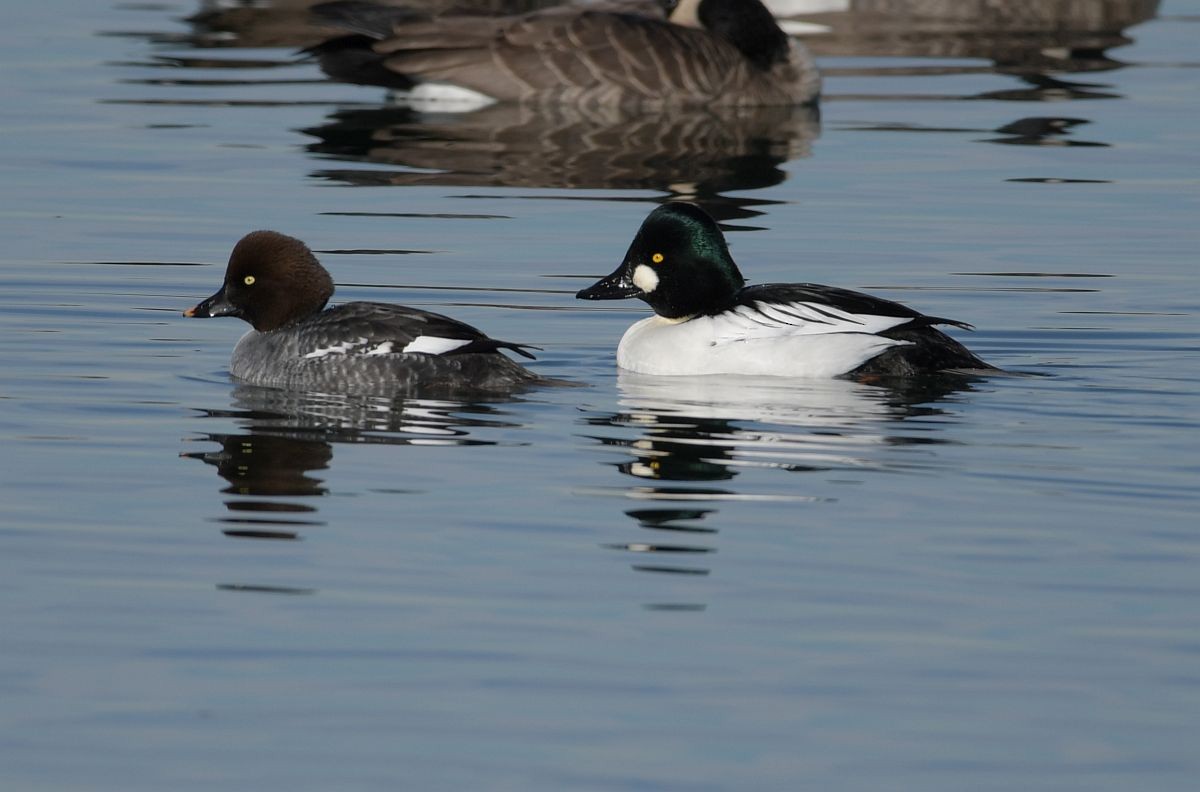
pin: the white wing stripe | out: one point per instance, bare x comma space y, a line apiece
336, 349
434, 345
431, 345
780, 320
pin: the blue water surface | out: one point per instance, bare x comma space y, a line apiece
639, 584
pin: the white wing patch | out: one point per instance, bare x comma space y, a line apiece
337, 349
659, 346
779, 320
434, 345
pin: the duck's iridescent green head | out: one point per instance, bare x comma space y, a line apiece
678, 263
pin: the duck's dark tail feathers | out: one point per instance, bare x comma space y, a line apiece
927, 351
492, 345
939, 320
520, 349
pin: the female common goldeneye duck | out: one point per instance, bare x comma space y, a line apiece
707, 321
276, 284
619, 53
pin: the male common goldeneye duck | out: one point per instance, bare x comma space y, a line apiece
619, 53
707, 321
276, 284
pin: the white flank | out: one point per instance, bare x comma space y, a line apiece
704, 346
433, 345
645, 278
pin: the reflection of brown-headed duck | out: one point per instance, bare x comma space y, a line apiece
276, 284
707, 321
702, 52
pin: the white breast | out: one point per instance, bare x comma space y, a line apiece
705, 345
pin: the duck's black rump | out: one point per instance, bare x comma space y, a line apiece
928, 350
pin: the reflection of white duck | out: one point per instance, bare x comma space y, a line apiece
756, 421
814, 403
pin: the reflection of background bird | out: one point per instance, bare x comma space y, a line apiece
693, 155
1029, 131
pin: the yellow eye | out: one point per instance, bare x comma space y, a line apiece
657, 258
248, 280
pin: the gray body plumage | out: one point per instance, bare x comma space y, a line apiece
356, 348
275, 283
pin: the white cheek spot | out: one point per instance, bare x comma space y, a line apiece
433, 345
645, 278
